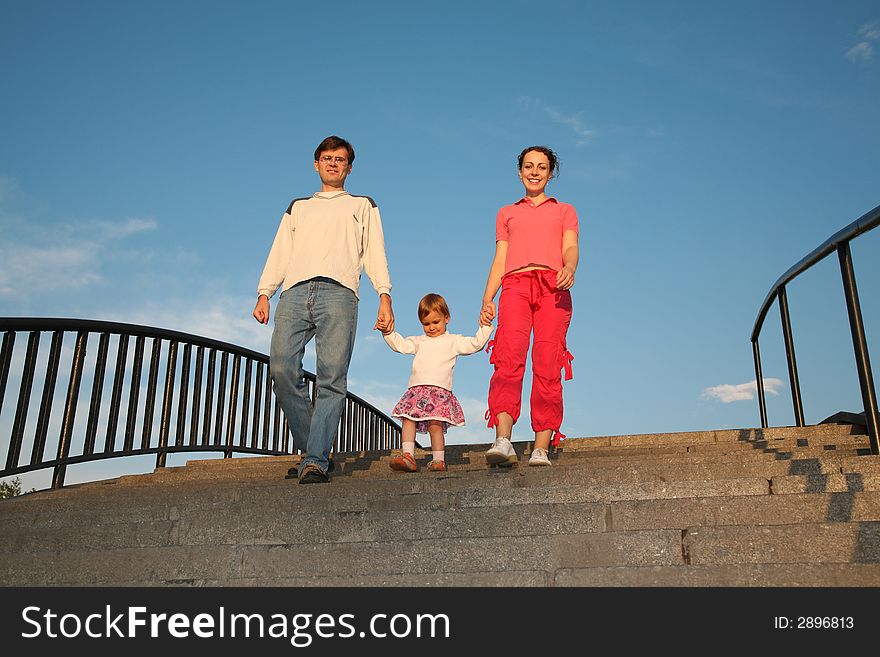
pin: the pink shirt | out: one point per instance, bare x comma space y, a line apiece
534, 234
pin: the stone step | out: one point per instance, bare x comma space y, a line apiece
273, 468
621, 481
786, 506
246, 523
725, 575
850, 482
230, 563
844, 542
719, 435
823, 462
729, 575
783, 445
571, 484
835, 543
795, 508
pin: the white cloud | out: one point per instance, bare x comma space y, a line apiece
728, 393
861, 52
111, 231
43, 258
864, 51
213, 316
870, 31
574, 122
26, 269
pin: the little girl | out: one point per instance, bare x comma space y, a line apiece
428, 405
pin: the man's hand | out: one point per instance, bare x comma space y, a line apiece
385, 318
261, 310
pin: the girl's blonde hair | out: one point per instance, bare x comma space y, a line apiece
431, 302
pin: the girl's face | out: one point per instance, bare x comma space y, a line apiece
434, 324
535, 172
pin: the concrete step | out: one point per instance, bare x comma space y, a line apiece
247, 523
795, 508
582, 481
835, 543
721, 467
720, 508
782, 445
844, 542
740, 575
715, 436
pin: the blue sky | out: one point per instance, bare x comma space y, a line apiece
148, 150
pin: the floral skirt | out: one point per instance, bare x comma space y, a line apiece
424, 403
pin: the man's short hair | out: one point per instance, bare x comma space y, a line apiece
333, 142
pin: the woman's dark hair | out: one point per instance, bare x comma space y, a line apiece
333, 142
551, 156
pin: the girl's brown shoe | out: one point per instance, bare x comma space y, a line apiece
406, 462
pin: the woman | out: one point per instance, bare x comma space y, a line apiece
536, 256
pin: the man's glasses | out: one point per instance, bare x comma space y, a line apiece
329, 159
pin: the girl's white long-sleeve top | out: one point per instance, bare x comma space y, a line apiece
435, 357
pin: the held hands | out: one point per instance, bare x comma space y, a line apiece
487, 313
385, 318
565, 278
261, 310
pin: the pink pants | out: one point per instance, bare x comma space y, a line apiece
530, 302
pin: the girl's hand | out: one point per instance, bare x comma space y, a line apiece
565, 278
385, 317
487, 313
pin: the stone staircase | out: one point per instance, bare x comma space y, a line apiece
775, 507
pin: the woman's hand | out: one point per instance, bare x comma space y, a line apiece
565, 278
487, 313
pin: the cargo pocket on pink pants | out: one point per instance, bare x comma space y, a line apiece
565, 363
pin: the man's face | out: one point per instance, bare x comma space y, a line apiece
333, 167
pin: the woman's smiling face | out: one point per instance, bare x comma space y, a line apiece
535, 172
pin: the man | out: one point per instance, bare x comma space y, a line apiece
320, 249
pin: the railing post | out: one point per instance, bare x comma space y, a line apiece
76, 370
39, 445
860, 346
233, 407
5, 362
789, 353
167, 401
759, 382
24, 398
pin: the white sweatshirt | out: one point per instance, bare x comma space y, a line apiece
332, 234
435, 357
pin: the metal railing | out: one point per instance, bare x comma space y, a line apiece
838, 242
214, 396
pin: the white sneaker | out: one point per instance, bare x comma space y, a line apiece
501, 453
539, 457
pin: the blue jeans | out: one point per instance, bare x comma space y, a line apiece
323, 309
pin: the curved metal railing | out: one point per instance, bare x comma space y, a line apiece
205, 404
838, 242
